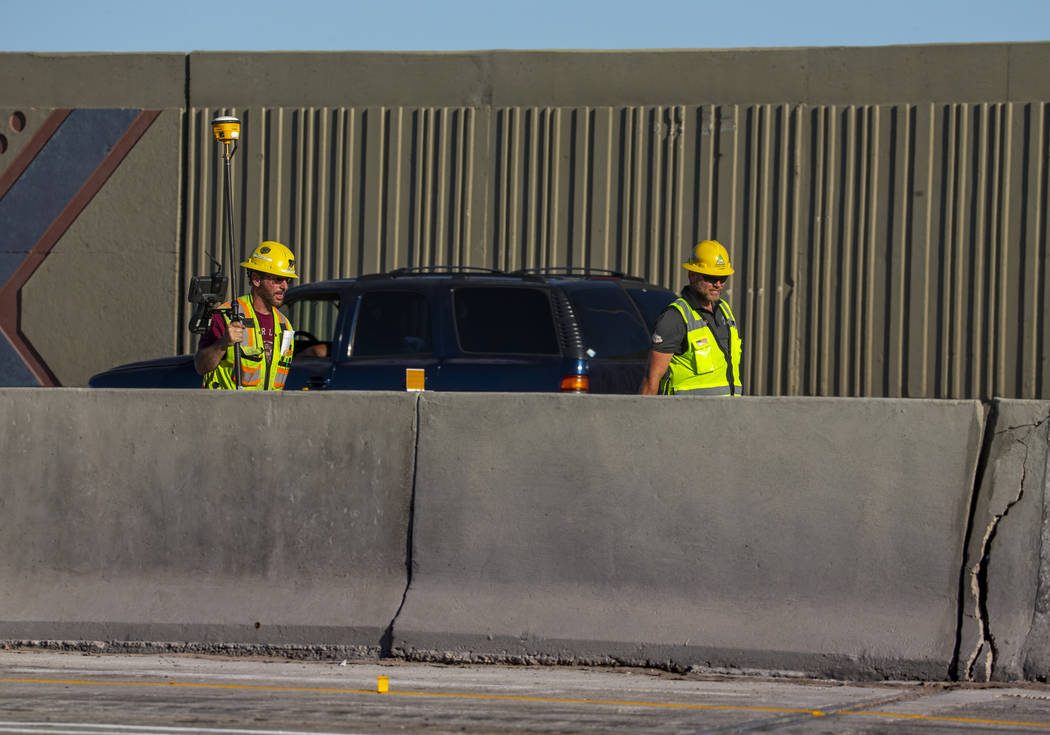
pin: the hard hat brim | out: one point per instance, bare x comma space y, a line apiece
696, 268
269, 271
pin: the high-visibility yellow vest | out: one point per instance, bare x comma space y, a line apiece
256, 372
703, 369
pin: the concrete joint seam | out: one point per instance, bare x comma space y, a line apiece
386, 644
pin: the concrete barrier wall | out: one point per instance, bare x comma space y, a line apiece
832, 537
203, 518
823, 536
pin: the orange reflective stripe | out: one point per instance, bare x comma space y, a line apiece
248, 313
280, 375
250, 376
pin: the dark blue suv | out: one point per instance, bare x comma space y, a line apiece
457, 329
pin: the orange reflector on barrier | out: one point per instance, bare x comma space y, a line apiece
415, 379
577, 383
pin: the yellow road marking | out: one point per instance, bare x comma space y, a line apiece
942, 718
506, 697
451, 695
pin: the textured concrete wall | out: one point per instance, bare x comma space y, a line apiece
90, 194
197, 517
90, 246
110, 280
829, 171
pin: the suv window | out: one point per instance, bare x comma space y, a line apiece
609, 321
313, 318
651, 302
505, 321
392, 323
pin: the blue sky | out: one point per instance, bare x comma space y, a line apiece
411, 25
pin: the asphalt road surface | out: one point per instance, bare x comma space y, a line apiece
48, 693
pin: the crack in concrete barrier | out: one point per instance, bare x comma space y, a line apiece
991, 417
985, 650
979, 589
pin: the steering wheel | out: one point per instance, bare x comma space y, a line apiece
305, 338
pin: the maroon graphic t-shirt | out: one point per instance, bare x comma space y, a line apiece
218, 329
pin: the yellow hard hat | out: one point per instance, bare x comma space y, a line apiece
710, 258
273, 258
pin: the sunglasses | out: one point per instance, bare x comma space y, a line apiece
714, 279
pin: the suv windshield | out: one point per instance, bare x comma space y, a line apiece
505, 321
612, 328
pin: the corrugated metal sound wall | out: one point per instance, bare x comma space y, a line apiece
895, 250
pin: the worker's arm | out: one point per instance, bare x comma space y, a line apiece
208, 358
658, 362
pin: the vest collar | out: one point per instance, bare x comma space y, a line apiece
694, 301
719, 316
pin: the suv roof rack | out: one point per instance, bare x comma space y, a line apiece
423, 270
562, 270
444, 270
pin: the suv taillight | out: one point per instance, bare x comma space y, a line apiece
575, 384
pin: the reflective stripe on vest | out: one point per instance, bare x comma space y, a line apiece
717, 391
256, 373
703, 369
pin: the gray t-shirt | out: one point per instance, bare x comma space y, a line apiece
669, 333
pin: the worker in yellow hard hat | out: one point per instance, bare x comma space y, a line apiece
261, 334
696, 342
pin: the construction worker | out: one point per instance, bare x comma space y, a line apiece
696, 344
261, 334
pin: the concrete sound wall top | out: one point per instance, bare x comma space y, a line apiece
873, 75
93, 80
867, 75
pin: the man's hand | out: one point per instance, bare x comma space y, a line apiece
234, 333
208, 358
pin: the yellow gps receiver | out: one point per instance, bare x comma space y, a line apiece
226, 129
